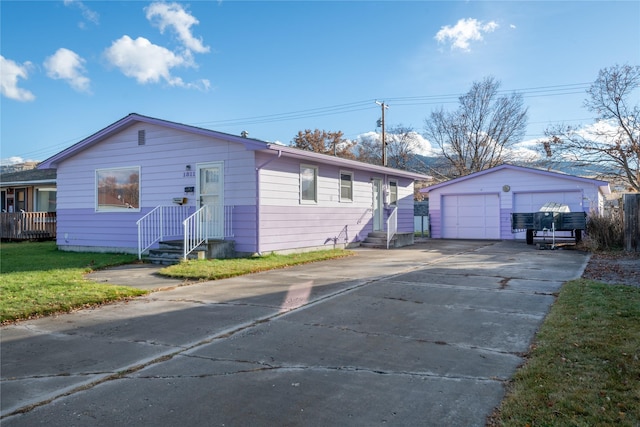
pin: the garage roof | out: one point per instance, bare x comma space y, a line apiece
602, 185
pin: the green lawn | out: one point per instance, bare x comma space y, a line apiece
36, 279
212, 269
584, 369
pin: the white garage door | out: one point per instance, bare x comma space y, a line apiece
471, 216
532, 202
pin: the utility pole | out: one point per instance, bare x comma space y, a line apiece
384, 142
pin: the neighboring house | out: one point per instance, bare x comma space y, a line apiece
479, 205
28, 200
264, 197
32, 190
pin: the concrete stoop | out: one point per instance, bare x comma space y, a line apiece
170, 252
378, 240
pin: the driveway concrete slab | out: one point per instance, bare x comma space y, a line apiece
422, 335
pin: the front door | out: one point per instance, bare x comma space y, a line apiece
378, 221
210, 193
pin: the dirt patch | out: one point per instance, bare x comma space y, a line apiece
614, 268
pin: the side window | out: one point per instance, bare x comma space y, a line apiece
45, 200
308, 184
117, 189
346, 186
393, 193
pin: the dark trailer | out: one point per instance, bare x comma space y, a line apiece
551, 217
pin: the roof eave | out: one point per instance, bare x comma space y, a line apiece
603, 185
324, 158
53, 161
23, 183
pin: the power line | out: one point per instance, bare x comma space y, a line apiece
532, 92
406, 101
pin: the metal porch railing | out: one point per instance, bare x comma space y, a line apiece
208, 222
392, 225
160, 222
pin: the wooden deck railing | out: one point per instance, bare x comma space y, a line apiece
27, 225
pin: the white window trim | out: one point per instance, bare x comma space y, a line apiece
95, 188
315, 182
391, 202
350, 173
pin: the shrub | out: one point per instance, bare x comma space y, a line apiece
605, 232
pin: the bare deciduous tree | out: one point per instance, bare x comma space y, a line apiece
321, 141
402, 145
481, 132
402, 142
610, 147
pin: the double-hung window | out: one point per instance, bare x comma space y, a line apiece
118, 189
308, 184
393, 193
346, 186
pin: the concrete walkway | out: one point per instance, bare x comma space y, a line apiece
422, 335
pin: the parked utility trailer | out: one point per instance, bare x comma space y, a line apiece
549, 221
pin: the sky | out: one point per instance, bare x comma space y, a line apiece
272, 68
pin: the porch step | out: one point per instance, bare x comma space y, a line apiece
377, 240
170, 252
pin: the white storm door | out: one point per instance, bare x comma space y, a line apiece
378, 221
210, 192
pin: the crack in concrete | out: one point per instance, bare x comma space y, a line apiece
125, 371
420, 340
302, 368
475, 288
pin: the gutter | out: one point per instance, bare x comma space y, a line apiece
27, 183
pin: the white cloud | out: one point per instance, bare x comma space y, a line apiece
526, 150
602, 131
420, 145
67, 65
88, 14
10, 72
173, 16
12, 161
144, 61
465, 31
150, 63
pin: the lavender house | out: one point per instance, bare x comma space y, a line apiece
479, 205
142, 180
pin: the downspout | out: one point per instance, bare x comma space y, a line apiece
257, 221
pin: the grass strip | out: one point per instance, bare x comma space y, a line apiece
584, 368
213, 269
37, 279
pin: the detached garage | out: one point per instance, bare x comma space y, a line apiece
479, 206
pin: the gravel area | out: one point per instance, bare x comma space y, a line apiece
614, 268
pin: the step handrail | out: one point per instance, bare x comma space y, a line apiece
196, 230
210, 222
392, 225
158, 223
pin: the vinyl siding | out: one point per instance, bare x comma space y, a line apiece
284, 223
163, 176
287, 223
523, 186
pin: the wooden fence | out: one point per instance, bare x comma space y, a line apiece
27, 225
631, 209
